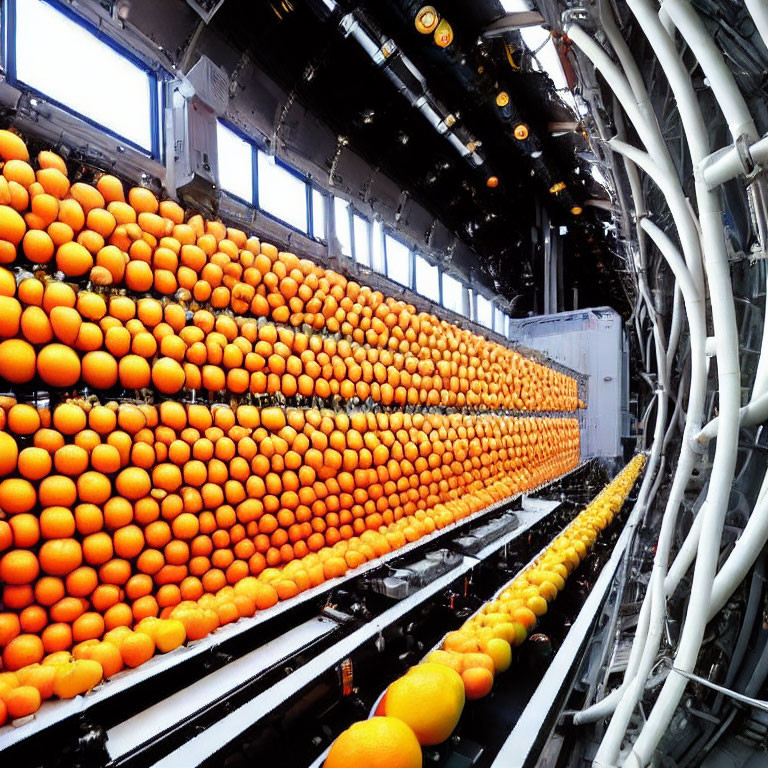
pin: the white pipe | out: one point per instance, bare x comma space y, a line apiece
650, 135
634, 685
670, 188
725, 90
758, 9
685, 555
724, 323
755, 412
750, 544
676, 327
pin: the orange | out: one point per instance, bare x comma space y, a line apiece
17, 361
133, 483
22, 650
381, 742
478, 682
9, 627
9, 453
429, 699
167, 375
136, 648
12, 146
38, 676
57, 365
76, 677
107, 655
22, 701
60, 556
57, 523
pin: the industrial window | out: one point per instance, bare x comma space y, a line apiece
427, 279
318, 215
235, 161
282, 193
343, 225
499, 321
398, 261
483, 311
378, 262
72, 64
453, 294
361, 231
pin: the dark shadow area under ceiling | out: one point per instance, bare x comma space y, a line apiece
334, 78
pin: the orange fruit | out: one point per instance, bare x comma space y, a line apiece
478, 682
57, 365
22, 701
60, 556
381, 742
22, 650
19, 566
136, 648
17, 361
9, 453
76, 677
429, 699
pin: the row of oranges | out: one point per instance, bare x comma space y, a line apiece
429, 698
117, 511
38, 668
91, 233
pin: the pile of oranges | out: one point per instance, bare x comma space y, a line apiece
430, 697
194, 305
199, 425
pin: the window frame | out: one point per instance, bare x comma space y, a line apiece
254, 158
391, 233
419, 255
475, 296
293, 172
354, 215
463, 287
309, 186
155, 76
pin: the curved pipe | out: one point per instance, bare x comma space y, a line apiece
649, 134
635, 685
759, 12
755, 412
745, 552
724, 88
729, 387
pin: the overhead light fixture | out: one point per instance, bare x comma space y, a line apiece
521, 131
426, 20
443, 34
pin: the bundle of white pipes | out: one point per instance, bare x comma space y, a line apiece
704, 257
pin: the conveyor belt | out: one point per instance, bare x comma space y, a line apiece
214, 738
522, 747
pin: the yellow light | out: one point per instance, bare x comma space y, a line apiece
443, 34
502, 99
558, 187
521, 132
492, 182
426, 20
576, 210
